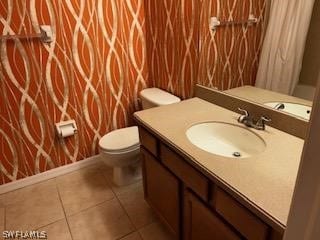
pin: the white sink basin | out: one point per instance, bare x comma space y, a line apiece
226, 139
293, 108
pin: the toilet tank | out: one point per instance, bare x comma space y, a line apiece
155, 97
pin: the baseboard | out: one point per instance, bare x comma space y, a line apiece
8, 187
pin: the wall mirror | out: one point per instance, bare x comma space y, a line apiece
289, 65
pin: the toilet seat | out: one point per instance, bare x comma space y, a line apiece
120, 151
120, 141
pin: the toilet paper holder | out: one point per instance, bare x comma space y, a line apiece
66, 128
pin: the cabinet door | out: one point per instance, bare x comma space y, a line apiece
200, 223
161, 190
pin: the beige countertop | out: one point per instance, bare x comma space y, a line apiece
262, 96
266, 180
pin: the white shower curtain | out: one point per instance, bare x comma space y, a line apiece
283, 47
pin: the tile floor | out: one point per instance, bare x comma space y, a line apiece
82, 205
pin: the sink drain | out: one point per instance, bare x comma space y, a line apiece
236, 154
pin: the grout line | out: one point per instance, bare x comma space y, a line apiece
49, 224
123, 208
145, 226
6, 205
122, 237
148, 224
139, 233
117, 197
64, 211
93, 206
98, 204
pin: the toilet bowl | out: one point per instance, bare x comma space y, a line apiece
120, 148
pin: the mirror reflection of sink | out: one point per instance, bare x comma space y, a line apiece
226, 139
293, 108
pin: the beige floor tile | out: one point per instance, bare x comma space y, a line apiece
57, 231
105, 221
132, 236
83, 189
32, 207
125, 189
155, 231
137, 208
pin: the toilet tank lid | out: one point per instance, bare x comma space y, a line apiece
121, 139
158, 96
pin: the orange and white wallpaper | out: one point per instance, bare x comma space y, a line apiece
173, 44
182, 51
92, 72
102, 54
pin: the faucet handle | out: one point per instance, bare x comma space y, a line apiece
265, 119
246, 113
244, 117
262, 121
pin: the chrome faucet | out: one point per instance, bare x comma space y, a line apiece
247, 120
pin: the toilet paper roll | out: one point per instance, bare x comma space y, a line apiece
66, 131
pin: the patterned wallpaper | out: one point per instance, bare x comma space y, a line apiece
182, 51
172, 43
100, 58
92, 72
229, 56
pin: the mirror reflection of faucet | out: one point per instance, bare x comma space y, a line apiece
279, 106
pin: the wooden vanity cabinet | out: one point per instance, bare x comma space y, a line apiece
200, 223
161, 191
250, 226
185, 172
192, 206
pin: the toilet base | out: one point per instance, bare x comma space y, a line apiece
127, 175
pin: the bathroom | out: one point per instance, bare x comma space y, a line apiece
83, 156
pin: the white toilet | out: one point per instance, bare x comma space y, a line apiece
120, 148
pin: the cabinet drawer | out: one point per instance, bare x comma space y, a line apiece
148, 141
190, 176
242, 219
